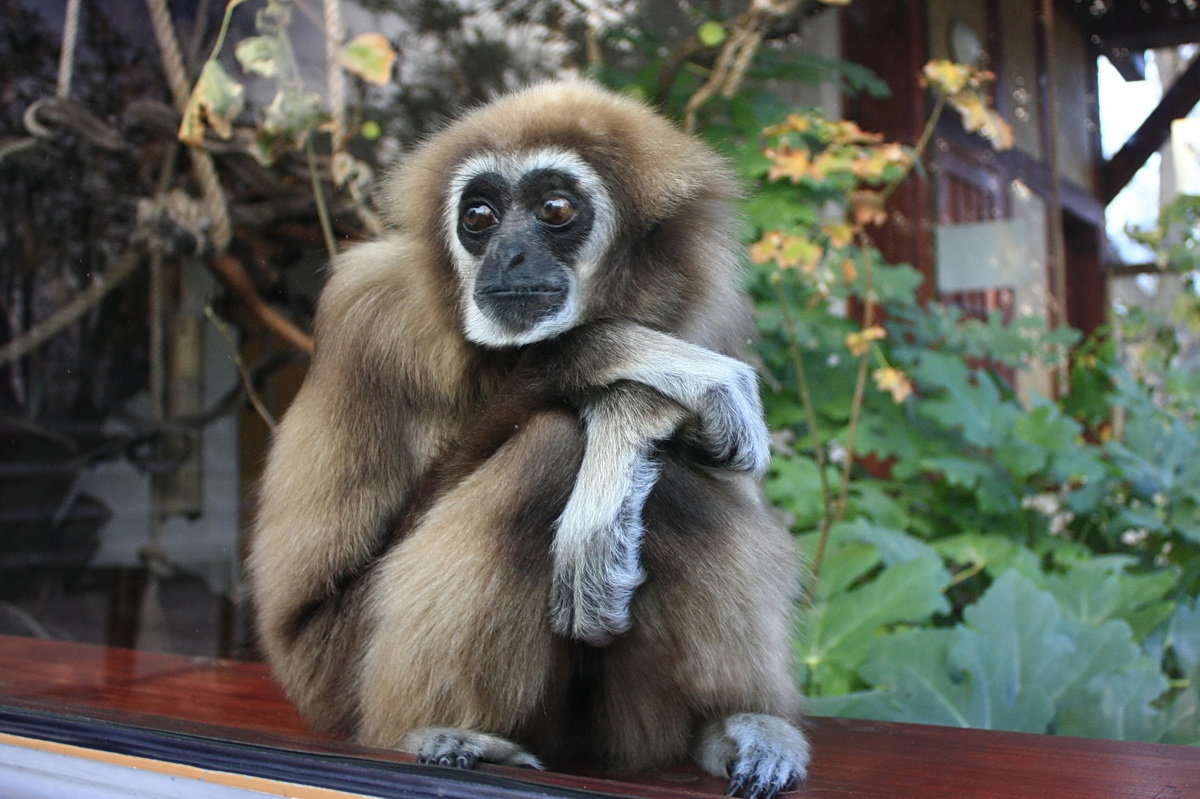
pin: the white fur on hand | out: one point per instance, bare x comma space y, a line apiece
598, 540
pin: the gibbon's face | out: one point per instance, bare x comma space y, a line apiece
527, 232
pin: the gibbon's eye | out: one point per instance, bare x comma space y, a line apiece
556, 211
479, 217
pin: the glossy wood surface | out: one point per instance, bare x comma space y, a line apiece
240, 701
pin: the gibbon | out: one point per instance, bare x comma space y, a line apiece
513, 512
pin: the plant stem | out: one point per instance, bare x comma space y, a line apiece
860, 389
810, 415
860, 382
319, 196
224, 27
919, 148
247, 380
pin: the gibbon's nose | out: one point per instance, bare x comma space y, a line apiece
510, 257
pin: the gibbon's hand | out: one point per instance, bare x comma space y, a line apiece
720, 392
597, 543
731, 430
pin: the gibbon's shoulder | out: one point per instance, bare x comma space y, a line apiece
387, 295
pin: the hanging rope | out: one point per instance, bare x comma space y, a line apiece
175, 210
67, 315
66, 57
335, 78
221, 230
66, 68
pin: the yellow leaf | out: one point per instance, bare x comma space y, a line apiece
802, 252
979, 117
215, 101
998, 131
370, 56
946, 77
795, 123
788, 162
840, 235
833, 162
787, 251
859, 342
849, 270
867, 208
767, 248
894, 382
848, 132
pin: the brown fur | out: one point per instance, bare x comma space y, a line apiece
401, 558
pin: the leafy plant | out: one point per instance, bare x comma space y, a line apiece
978, 560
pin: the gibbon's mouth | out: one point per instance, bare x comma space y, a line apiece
519, 309
536, 291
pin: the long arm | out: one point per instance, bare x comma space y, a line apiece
720, 392
639, 387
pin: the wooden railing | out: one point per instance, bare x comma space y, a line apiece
235, 701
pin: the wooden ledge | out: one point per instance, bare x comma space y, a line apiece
240, 702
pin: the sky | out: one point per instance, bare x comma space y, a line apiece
1124, 105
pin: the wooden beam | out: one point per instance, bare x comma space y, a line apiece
1168, 35
1177, 102
1130, 64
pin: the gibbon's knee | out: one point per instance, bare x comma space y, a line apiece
727, 578
458, 607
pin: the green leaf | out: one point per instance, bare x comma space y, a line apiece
895, 283
992, 553
894, 546
1181, 719
1118, 705
1181, 635
977, 410
1048, 428
844, 565
1017, 655
915, 683
1016, 663
292, 114
1098, 590
838, 634
794, 485
260, 55
1022, 458
874, 501
963, 472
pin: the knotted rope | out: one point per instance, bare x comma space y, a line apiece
221, 229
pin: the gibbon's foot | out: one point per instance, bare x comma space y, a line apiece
447, 746
762, 755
